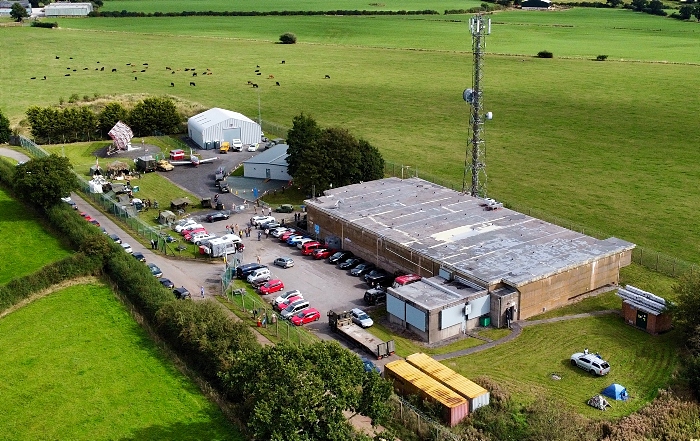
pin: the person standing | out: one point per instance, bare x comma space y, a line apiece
258, 256
201, 291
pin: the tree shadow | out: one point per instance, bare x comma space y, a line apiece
179, 431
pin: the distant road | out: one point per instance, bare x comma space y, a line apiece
17, 156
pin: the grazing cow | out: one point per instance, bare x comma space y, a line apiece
145, 64
75, 70
282, 61
187, 69
257, 70
136, 78
258, 66
85, 68
57, 57
68, 68
128, 64
102, 68
114, 70
143, 70
250, 83
210, 73
44, 77
96, 69
98, 62
255, 86
328, 76
192, 83
66, 75
194, 74
258, 73
134, 71
70, 58
277, 83
33, 78
172, 84
270, 77
167, 68
173, 72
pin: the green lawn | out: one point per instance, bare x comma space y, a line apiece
76, 366
641, 362
26, 246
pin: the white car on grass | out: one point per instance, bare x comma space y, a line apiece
592, 363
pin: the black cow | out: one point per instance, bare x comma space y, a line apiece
257, 70
172, 72
258, 73
57, 57
102, 68
143, 70
66, 75
187, 69
145, 64
136, 78
328, 76
172, 84
114, 70
192, 83
277, 83
167, 68
194, 74
33, 78
282, 61
44, 77
255, 85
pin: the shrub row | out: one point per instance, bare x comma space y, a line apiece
125, 13
43, 24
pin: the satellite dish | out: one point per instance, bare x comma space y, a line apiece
468, 95
489, 115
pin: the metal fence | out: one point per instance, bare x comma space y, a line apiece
653, 260
248, 305
418, 422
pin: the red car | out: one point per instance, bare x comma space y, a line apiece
309, 247
283, 306
271, 286
191, 233
306, 316
284, 236
323, 253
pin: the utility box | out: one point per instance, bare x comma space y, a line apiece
485, 321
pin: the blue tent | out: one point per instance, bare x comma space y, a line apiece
616, 391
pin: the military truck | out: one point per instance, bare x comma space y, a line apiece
146, 164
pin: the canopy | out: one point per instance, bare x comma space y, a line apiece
166, 217
616, 391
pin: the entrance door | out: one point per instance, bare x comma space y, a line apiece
641, 319
267, 173
231, 133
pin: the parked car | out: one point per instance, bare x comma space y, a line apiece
592, 363
224, 187
166, 282
277, 232
322, 253
70, 202
304, 240
253, 147
95, 222
286, 296
259, 275
309, 247
182, 293
375, 296
139, 256
184, 223
362, 269
236, 145
201, 239
361, 318
340, 256
191, 234
378, 277
285, 208
257, 220
243, 271
369, 366
350, 263
190, 227
126, 247
307, 315
293, 308
215, 217
284, 262
283, 305
271, 286
286, 235
406, 280
155, 270
269, 225
115, 238
292, 241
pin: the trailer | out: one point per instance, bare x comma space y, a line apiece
220, 247
341, 322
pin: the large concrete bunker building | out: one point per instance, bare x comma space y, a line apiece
478, 265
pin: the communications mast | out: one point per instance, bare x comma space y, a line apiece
474, 162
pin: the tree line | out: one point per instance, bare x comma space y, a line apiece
125, 13
51, 125
320, 158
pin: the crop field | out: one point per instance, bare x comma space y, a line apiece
26, 246
76, 366
641, 362
605, 145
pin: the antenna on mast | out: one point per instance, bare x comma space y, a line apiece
475, 158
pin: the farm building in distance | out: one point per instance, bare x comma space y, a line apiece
211, 128
6, 7
479, 265
644, 310
67, 9
536, 5
270, 164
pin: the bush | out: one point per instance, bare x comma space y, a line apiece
288, 38
44, 24
601, 57
545, 54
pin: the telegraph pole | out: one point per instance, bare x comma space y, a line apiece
475, 158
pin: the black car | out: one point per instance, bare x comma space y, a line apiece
139, 256
182, 293
380, 278
166, 282
375, 296
214, 217
350, 263
115, 238
362, 269
340, 256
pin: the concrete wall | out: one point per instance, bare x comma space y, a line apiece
560, 289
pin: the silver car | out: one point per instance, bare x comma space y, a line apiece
361, 318
284, 262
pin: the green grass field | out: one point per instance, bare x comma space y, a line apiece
602, 144
26, 245
76, 366
639, 361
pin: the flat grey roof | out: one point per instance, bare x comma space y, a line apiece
276, 155
436, 292
455, 229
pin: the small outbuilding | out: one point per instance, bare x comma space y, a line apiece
644, 310
179, 203
166, 217
68, 9
211, 128
270, 164
536, 5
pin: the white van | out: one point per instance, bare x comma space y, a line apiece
259, 275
